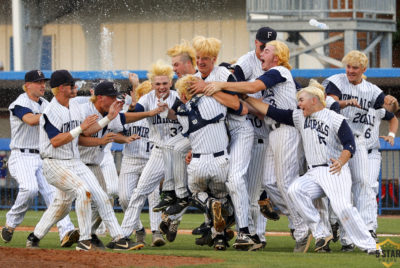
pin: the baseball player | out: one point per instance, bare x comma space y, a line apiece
248, 68
202, 119
183, 58
25, 164
135, 156
91, 148
161, 130
372, 143
356, 96
282, 162
60, 126
241, 133
183, 62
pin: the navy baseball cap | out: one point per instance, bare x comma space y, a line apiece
35, 76
61, 77
105, 88
266, 34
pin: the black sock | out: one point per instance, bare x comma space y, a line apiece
263, 195
244, 230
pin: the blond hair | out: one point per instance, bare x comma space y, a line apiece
314, 89
93, 98
356, 58
142, 89
183, 84
24, 87
206, 46
160, 68
185, 50
282, 52
54, 90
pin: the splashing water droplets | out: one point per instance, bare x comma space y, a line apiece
106, 49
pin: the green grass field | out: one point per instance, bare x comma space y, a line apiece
278, 252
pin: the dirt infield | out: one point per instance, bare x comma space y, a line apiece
29, 258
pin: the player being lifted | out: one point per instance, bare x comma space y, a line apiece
202, 118
241, 133
282, 154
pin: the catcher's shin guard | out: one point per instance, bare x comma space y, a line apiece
199, 200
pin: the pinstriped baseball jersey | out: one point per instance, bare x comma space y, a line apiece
222, 74
261, 130
371, 134
319, 135
161, 129
82, 99
140, 148
366, 93
329, 101
212, 137
250, 65
22, 134
282, 95
94, 155
61, 119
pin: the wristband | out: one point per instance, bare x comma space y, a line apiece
75, 132
104, 122
391, 134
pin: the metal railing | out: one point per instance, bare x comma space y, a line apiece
302, 9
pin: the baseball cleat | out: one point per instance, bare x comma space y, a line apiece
322, 242
220, 243
203, 228
141, 236
178, 206
325, 249
32, 241
267, 210
257, 243
127, 244
97, 242
347, 248
218, 220
168, 198
158, 239
70, 238
205, 239
243, 241
7, 234
172, 230
303, 245
86, 245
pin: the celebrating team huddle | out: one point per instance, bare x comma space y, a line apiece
233, 141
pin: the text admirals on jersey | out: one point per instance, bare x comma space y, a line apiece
158, 120
70, 125
365, 105
140, 130
317, 125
